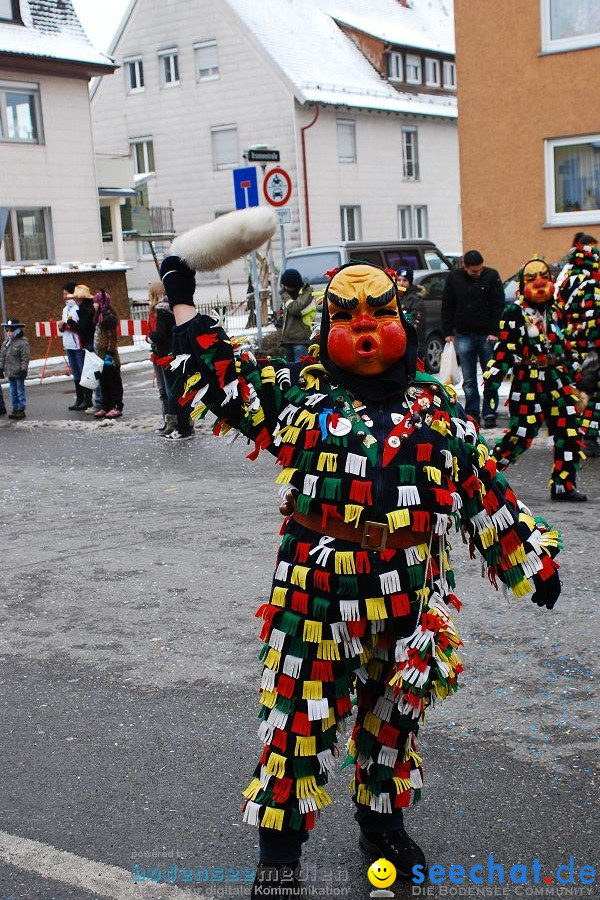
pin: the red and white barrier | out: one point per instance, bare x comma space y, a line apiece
125, 328
47, 329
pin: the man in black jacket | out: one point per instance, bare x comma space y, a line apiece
472, 304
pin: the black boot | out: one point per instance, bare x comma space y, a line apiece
87, 398
572, 496
395, 846
78, 397
591, 447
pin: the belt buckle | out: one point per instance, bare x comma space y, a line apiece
366, 535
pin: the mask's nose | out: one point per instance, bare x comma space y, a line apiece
364, 322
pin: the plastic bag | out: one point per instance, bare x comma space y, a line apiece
449, 369
92, 366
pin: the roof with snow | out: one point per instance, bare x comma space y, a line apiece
322, 65
52, 31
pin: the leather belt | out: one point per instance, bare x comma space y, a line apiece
370, 535
542, 362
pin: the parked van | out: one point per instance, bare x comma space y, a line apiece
420, 255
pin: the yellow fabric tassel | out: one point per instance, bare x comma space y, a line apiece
306, 746
518, 555
268, 698
253, 789
550, 538
372, 724
521, 588
488, 537
352, 513
312, 690
306, 786
328, 650
363, 795
345, 563
329, 722
396, 679
267, 375
482, 454
258, 416
306, 418
399, 518
322, 798
432, 473
313, 632
376, 608
441, 427
278, 596
528, 520
273, 818
197, 412
273, 659
327, 462
285, 476
402, 784
276, 765
191, 382
299, 574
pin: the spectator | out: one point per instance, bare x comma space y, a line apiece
105, 345
14, 360
413, 304
83, 327
161, 321
71, 342
472, 303
297, 298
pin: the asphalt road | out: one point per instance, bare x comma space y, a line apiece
131, 571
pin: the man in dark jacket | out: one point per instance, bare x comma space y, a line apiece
472, 304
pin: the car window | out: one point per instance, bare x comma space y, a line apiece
370, 256
400, 259
434, 285
312, 266
433, 260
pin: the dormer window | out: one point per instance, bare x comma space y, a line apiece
9, 11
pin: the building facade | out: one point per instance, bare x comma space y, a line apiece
529, 126
362, 111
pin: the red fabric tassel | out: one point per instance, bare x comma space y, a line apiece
300, 602
471, 485
421, 521
361, 491
279, 740
281, 789
424, 452
343, 706
321, 580
321, 670
330, 512
286, 686
261, 442
221, 366
400, 604
388, 735
510, 542
286, 452
302, 551
357, 628
301, 724
311, 438
207, 340
363, 566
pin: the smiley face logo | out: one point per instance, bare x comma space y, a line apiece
382, 873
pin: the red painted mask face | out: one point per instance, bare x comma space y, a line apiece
538, 286
366, 335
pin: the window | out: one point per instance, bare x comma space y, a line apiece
224, 146
421, 226
206, 61
350, 219
144, 250
20, 113
27, 238
394, 66
410, 154
432, 72
134, 73
9, 11
346, 138
142, 151
570, 24
405, 222
450, 75
573, 180
169, 67
413, 69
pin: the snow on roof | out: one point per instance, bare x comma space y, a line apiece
52, 30
322, 64
426, 24
65, 268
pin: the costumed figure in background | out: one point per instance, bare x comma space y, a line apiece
578, 297
383, 464
530, 345
412, 302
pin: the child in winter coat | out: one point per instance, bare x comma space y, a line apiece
14, 360
105, 345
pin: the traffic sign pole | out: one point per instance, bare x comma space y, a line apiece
257, 309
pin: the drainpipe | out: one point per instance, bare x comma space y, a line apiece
304, 172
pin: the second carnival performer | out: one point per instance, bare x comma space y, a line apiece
384, 465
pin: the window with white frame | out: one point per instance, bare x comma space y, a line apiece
350, 222
570, 24
28, 236
394, 66
134, 74
142, 151
420, 220
573, 180
413, 69
206, 60
412, 222
449, 75
346, 139
169, 67
20, 112
405, 222
410, 154
225, 149
144, 250
9, 11
432, 72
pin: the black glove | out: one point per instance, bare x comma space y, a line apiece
22, 374
546, 592
178, 281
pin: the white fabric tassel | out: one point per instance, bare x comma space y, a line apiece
456, 501
460, 428
277, 638
251, 813
326, 761
180, 360
412, 556
481, 521
287, 414
408, 495
307, 804
390, 582
339, 632
353, 647
381, 804
447, 458
282, 570
416, 779
350, 610
401, 654
535, 541
267, 682
310, 485
292, 666
318, 709
356, 465
441, 523
277, 719
502, 517
264, 777
322, 550
383, 709
362, 674
231, 391
387, 757
265, 732
532, 564
197, 401
314, 399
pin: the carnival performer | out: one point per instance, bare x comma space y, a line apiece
384, 464
530, 345
578, 296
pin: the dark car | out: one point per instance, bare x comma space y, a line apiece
433, 286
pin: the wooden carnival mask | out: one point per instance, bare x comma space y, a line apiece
366, 334
537, 285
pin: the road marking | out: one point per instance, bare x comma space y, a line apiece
96, 877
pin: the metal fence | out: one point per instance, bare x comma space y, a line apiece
237, 317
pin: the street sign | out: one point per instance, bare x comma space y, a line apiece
277, 187
284, 215
259, 154
245, 187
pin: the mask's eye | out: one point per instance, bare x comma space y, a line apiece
388, 312
341, 316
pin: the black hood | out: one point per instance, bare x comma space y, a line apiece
372, 387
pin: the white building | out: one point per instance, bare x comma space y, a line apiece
47, 174
358, 98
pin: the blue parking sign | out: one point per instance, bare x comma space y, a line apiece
245, 187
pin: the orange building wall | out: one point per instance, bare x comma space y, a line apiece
509, 100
